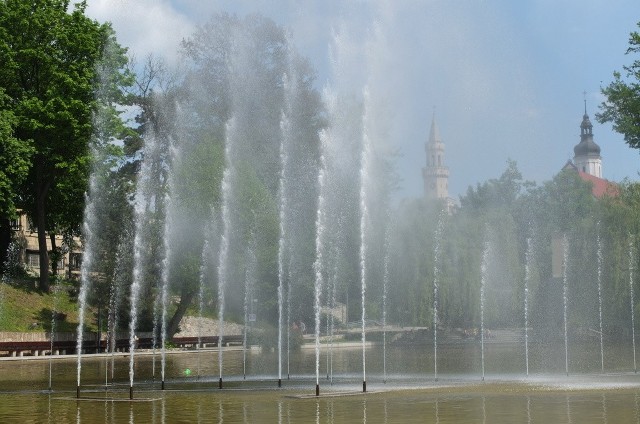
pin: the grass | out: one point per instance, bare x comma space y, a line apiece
25, 309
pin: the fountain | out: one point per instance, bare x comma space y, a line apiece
222, 259
632, 304
565, 298
250, 282
344, 142
436, 261
385, 292
142, 209
527, 277
599, 280
318, 264
483, 281
288, 133
259, 256
164, 290
364, 222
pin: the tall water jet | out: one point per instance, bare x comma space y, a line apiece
632, 302
155, 331
289, 323
228, 190
565, 297
121, 270
52, 333
224, 250
90, 243
374, 188
244, 123
364, 221
527, 277
151, 181
164, 294
319, 244
599, 254
287, 137
483, 281
90, 223
249, 285
207, 257
96, 201
136, 285
335, 164
202, 278
281, 259
166, 262
436, 284
332, 304
385, 292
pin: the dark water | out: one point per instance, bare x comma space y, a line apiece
409, 395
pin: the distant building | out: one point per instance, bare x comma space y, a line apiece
587, 153
436, 174
587, 162
26, 239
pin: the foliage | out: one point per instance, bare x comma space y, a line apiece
14, 159
49, 70
622, 105
513, 216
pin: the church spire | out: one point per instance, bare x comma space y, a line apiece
435, 174
434, 134
587, 153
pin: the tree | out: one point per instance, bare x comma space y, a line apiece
622, 107
497, 193
235, 70
14, 166
49, 72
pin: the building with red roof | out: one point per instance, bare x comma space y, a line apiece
588, 162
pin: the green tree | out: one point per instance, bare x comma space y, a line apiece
622, 107
235, 69
49, 58
14, 166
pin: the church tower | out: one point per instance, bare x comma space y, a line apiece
587, 153
435, 174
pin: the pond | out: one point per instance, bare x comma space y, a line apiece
408, 391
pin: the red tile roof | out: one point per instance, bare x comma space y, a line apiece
600, 186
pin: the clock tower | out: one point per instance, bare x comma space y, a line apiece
435, 174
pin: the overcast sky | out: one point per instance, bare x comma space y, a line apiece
506, 78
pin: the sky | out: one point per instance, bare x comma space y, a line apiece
504, 79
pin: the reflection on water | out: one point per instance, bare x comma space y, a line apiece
449, 406
410, 394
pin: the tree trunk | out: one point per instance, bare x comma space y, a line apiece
185, 301
5, 240
55, 257
41, 226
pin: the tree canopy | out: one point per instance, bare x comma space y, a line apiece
49, 75
622, 106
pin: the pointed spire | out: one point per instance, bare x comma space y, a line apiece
586, 127
434, 134
586, 147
